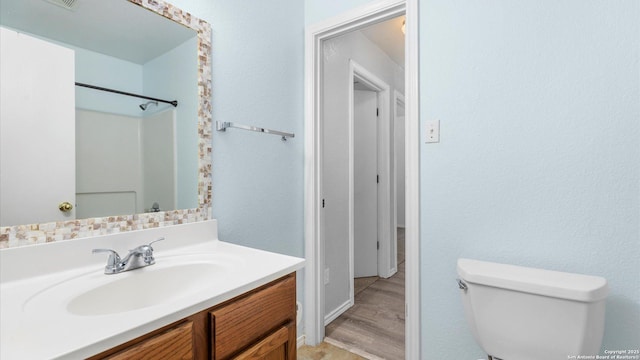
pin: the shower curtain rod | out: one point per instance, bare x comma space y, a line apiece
174, 102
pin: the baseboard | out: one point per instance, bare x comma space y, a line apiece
392, 272
337, 312
301, 341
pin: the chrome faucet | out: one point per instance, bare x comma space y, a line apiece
139, 257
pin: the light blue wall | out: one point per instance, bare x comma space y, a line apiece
257, 59
318, 10
539, 161
258, 72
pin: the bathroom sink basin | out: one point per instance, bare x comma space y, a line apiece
169, 280
143, 289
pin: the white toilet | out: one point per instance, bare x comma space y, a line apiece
519, 313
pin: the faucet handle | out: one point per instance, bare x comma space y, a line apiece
155, 241
147, 252
112, 262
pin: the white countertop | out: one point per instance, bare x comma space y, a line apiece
35, 323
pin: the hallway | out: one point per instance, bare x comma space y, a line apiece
374, 326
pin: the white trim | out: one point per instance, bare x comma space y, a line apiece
351, 203
314, 285
412, 182
300, 341
398, 97
313, 273
338, 311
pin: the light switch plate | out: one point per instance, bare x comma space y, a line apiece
433, 131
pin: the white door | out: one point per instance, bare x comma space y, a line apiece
37, 106
365, 183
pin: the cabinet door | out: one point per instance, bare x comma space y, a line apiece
246, 322
274, 347
176, 343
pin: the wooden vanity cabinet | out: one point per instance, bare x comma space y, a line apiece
260, 324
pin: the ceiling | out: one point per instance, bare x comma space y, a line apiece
389, 37
113, 27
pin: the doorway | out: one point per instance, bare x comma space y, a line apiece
315, 231
357, 155
372, 288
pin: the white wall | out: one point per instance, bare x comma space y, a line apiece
109, 165
159, 156
124, 163
336, 168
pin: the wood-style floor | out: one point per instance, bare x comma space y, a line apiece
325, 351
374, 326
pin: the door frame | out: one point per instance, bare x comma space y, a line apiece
358, 18
398, 98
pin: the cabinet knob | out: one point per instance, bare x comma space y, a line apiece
65, 206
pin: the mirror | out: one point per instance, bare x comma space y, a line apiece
144, 36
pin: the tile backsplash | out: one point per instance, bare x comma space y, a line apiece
21, 235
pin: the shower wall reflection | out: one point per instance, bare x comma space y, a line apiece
124, 164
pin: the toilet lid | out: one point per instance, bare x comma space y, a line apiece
557, 284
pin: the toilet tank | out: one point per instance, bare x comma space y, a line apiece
520, 313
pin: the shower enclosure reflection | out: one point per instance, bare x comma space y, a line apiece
125, 164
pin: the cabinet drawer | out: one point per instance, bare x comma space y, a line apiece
176, 343
247, 320
274, 346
